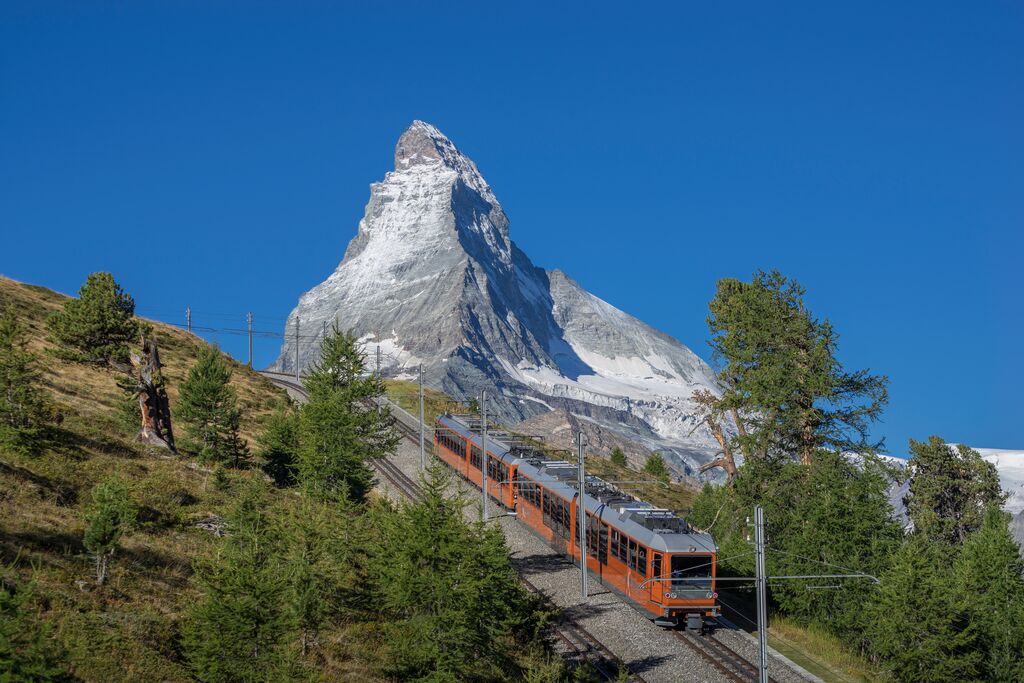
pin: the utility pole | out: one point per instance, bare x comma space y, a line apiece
762, 603
248, 320
581, 515
296, 348
483, 456
378, 360
188, 319
423, 448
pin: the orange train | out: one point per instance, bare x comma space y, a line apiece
648, 555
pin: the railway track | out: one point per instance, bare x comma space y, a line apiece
582, 645
732, 665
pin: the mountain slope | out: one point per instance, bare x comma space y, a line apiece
432, 277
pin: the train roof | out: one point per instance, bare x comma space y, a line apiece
657, 528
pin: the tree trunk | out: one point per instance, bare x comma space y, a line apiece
726, 461
153, 403
741, 427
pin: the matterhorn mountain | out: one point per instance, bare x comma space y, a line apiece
433, 278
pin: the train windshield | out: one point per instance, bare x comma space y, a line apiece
691, 575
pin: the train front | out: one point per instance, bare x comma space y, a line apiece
686, 581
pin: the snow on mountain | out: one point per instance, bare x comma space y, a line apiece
433, 278
1010, 465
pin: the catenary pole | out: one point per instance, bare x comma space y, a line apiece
423, 448
483, 455
581, 515
248, 320
188, 319
296, 348
762, 604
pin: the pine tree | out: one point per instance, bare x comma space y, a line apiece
656, 467
209, 408
990, 576
316, 581
830, 517
279, 444
28, 652
453, 603
341, 427
618, 457
782, 383
97, 326
111, 514
239, 629
917, 624
951, 488
24, 409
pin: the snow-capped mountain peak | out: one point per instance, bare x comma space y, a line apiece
433, 278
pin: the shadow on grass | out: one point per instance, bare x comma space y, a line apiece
62, 493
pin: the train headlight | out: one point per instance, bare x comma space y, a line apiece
670, 595
710, 594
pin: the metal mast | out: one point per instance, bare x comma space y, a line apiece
248, 320
581, 516
296, 348
483, 455
762, 603
423, 448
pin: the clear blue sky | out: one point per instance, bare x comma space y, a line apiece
218, 156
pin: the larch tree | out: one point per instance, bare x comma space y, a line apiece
279, 444
24, 408
990, 578
110, 515
951, 489
98, 326
917, 625
240, 627
454, 604
781, 382
618, 457
341, 427
27, 650
209, 408
656, 467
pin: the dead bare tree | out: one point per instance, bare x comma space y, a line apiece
148, 384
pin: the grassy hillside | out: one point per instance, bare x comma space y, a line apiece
127, 629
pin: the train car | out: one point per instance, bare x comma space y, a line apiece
650, 556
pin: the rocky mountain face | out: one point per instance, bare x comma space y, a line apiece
433, 278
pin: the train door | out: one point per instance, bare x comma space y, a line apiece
657, 586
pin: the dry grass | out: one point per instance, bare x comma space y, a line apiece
820, 653
127, 629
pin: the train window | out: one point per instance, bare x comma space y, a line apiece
641, 560
474, 456
691, 572
529, 491
656, 565
631, 558
616, 541
597, 539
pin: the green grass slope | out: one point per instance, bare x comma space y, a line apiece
127, 629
